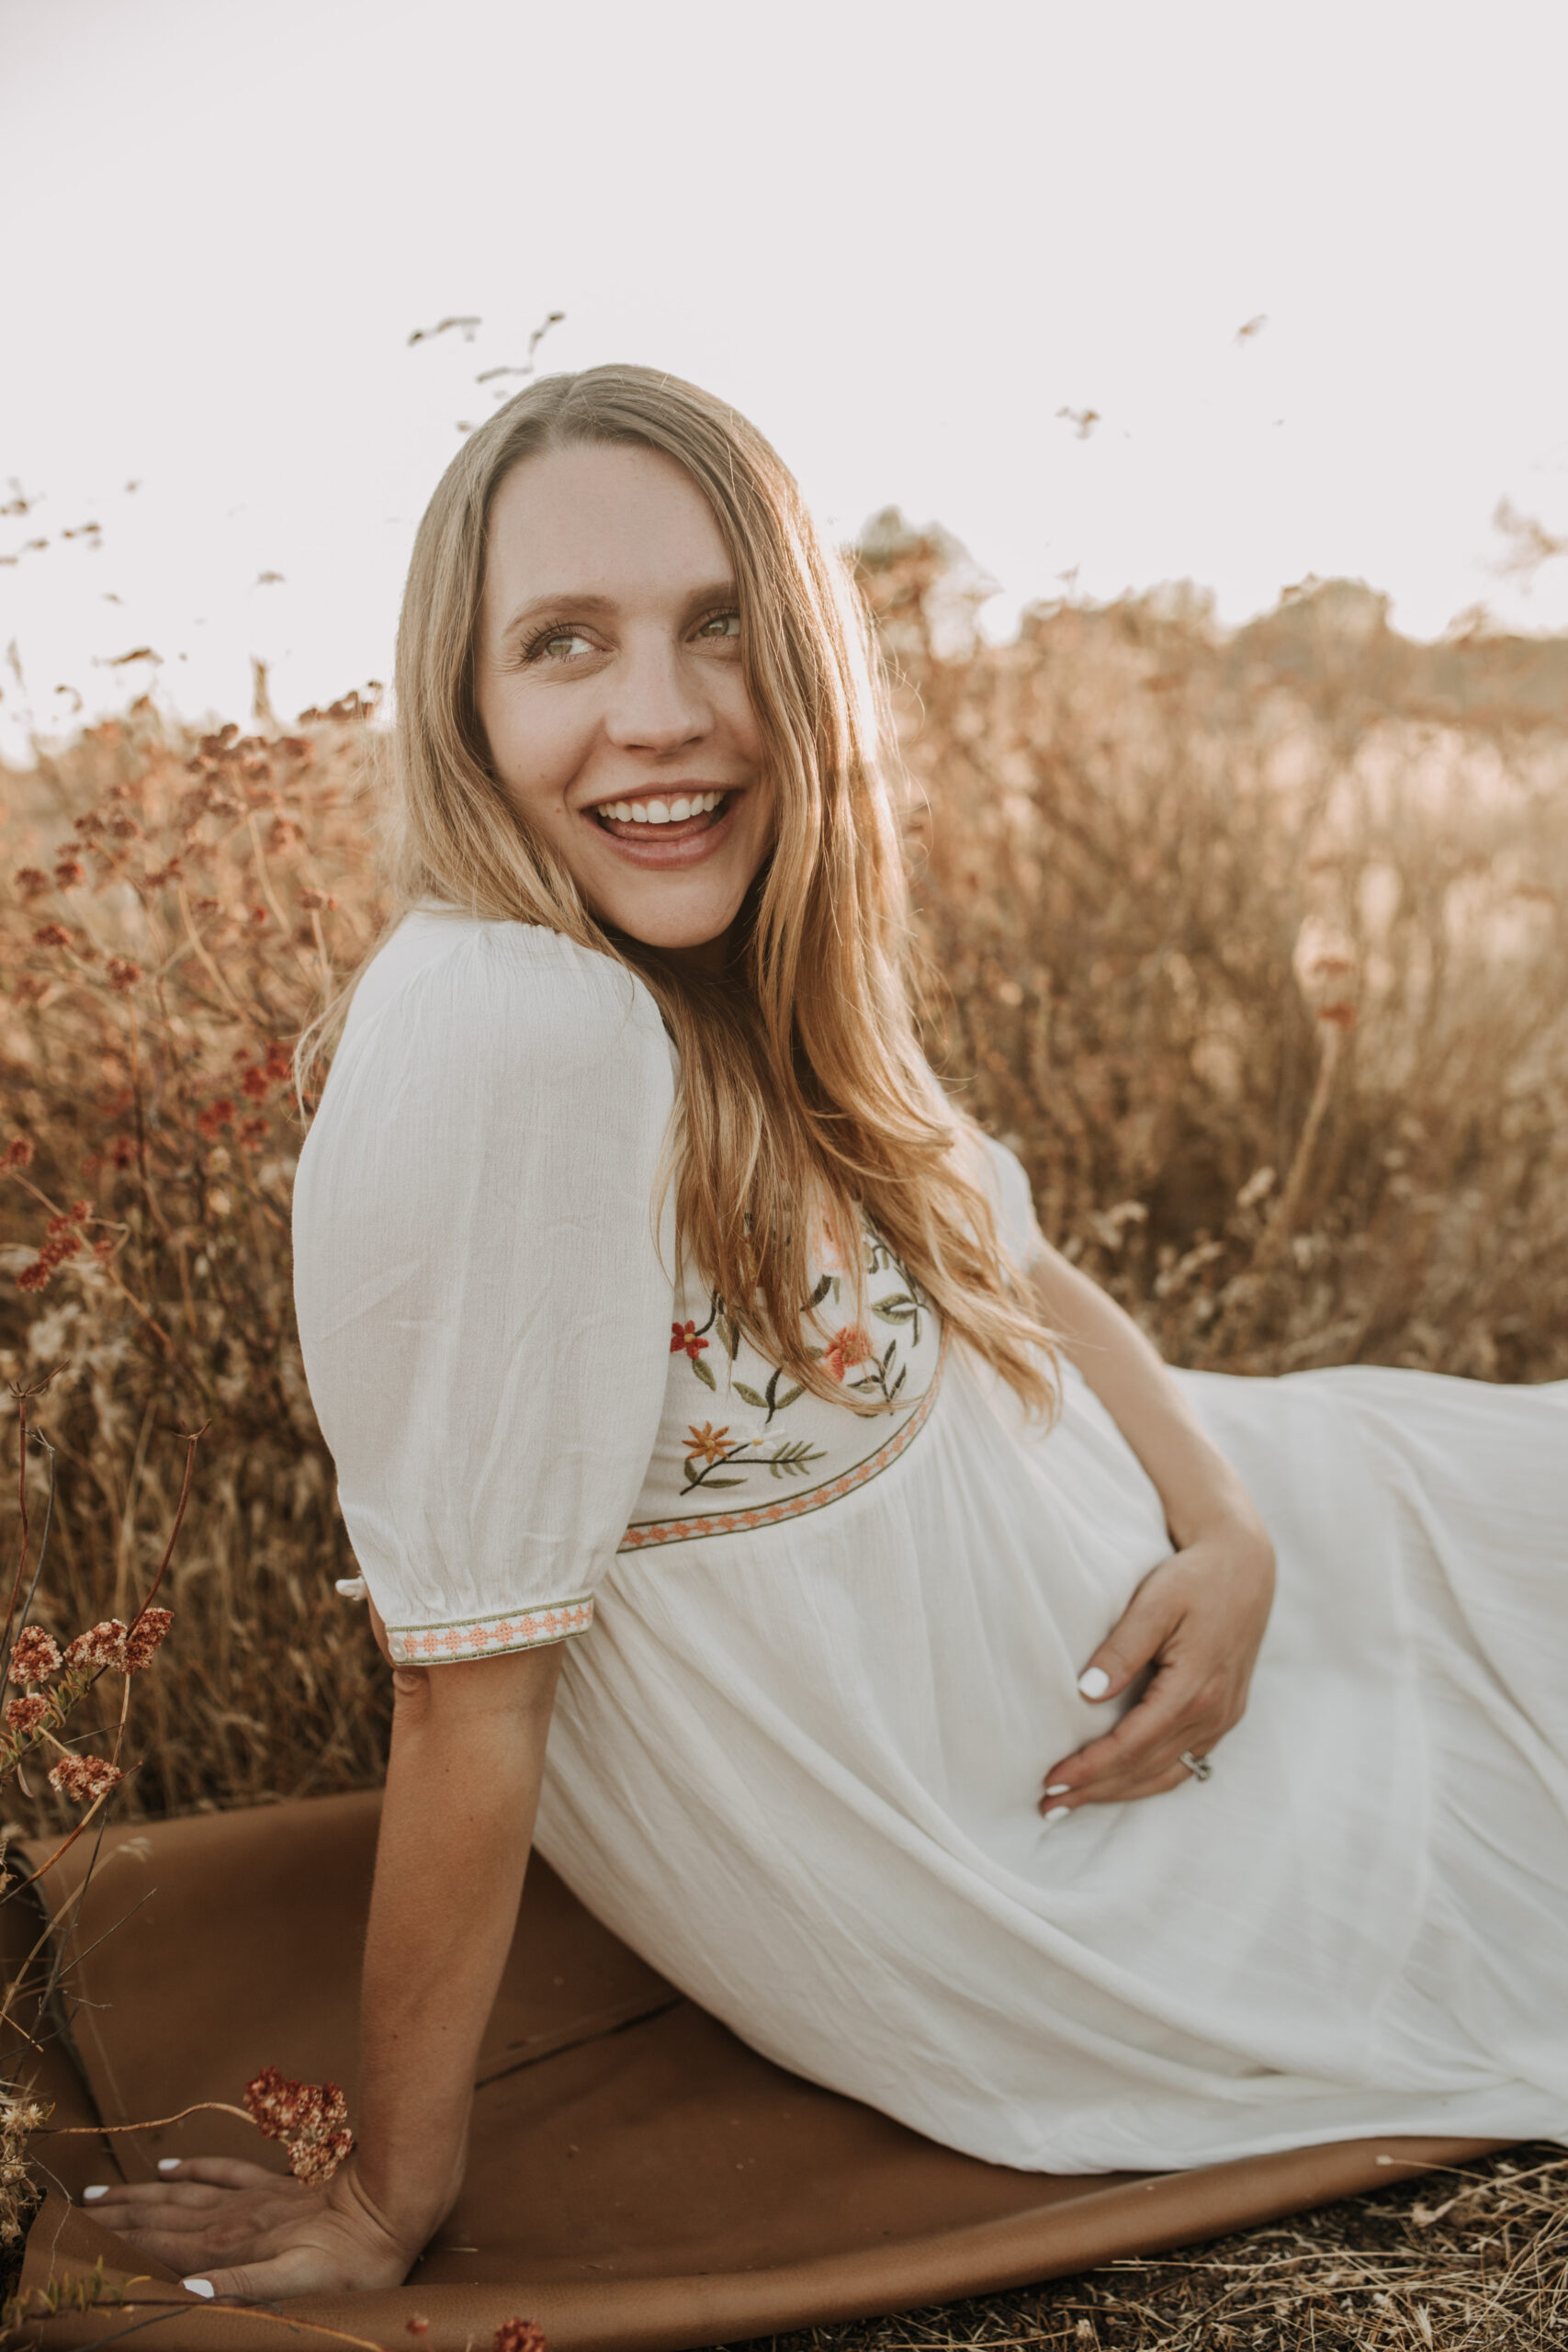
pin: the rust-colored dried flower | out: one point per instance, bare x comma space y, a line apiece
217, 1115
122, 976
518, 2335
69, 873
146, 1636
254, 1084
35, 1656
101, 1645
52, 935
86, 1777
31, 883
311, 2118
35, 1276
19, 1152
23, 1715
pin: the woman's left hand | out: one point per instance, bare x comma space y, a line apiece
1198, 1619
241, 2230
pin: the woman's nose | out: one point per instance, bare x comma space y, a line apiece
657, 704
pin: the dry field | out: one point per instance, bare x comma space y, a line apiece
1252, 946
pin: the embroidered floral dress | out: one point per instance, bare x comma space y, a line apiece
824, 1658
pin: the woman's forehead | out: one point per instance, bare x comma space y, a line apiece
600, 520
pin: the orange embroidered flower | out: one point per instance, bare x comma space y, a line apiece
684, 1335
708, 1441
850, 1346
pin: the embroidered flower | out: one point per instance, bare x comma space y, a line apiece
708, 1443
35, 1657
684, 1335
846, 1348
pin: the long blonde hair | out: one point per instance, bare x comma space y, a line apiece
804, 1096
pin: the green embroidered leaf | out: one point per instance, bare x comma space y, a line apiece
722, 1482
750, 1397
787, 1399
820, 1293
704, 1374
899, 1384
797, 1456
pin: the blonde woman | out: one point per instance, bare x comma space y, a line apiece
705, 1397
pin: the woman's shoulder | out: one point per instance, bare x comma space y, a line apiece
471, 992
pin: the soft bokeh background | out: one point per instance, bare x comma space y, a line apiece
906, 237
1242, 913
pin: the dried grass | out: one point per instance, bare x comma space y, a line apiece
1253, 947
1467, 2261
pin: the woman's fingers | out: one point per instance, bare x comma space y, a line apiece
1136, 1640
1179, 1712
300, 2270
223, 2172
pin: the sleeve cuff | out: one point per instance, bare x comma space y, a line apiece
512, 1629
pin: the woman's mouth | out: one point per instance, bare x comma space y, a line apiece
661, 820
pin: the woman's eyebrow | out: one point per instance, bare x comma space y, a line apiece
559, 603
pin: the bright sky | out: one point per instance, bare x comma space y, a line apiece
903, 236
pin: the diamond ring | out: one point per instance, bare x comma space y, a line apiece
1199, 1766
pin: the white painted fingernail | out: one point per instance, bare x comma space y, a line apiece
89, 2194
1056, 1812
1060, 1788
168, 2164
1094, 1682
200, 2286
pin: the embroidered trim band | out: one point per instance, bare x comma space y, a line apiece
517, 1629
642, 1534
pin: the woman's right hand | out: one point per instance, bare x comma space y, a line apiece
232, 2228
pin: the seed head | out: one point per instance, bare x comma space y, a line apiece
86, 1777
103, 1645
147, 1635
23, 1715
518, 2335
35, 1657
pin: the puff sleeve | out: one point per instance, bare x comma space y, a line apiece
484, 1303
1013, 1201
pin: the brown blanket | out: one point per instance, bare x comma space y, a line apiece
638, 2177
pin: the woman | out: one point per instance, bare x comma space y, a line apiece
655, 1300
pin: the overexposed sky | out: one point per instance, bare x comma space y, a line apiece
902, 236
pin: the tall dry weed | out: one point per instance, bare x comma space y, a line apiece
1251, 946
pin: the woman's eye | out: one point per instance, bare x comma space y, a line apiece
559, 645
720, 626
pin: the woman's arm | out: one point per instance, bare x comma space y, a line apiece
1198, 1617
463, 1776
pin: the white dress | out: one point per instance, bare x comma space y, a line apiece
825, 1659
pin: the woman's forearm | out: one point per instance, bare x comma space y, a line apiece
463, 1776
1195, 1483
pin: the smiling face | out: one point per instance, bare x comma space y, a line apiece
610, 686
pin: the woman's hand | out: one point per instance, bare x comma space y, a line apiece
230, 2228
1198, 1619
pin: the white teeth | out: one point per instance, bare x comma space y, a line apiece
662, 813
